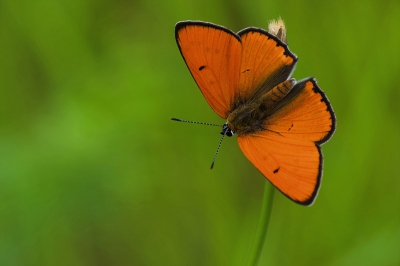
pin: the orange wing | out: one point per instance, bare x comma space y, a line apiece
212, 54
266, 62
287, 152
304, 114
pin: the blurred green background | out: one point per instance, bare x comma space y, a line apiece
93, 172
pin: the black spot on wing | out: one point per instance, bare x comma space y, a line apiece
276, 170
201, 68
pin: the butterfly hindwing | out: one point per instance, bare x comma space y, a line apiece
305, 114
266, 62
287, 150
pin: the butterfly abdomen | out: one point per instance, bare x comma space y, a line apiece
250, 116
270, 99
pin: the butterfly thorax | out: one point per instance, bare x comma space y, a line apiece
247, 118
251, 115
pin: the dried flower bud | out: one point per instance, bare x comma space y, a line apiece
277, 28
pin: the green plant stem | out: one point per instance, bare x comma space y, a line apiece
262, 227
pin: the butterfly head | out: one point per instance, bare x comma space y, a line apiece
226, 131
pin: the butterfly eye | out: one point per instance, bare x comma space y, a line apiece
226, 131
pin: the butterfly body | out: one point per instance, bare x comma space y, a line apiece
252, 115
280, 123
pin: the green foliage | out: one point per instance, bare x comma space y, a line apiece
93, 172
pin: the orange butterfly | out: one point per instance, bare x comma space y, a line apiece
280, 123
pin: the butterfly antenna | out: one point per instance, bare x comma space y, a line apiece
194, 122
216, 153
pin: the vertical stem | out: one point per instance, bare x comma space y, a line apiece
262, 227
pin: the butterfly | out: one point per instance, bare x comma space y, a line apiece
246, 79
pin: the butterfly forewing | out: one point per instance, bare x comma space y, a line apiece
212, 54
292, 166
